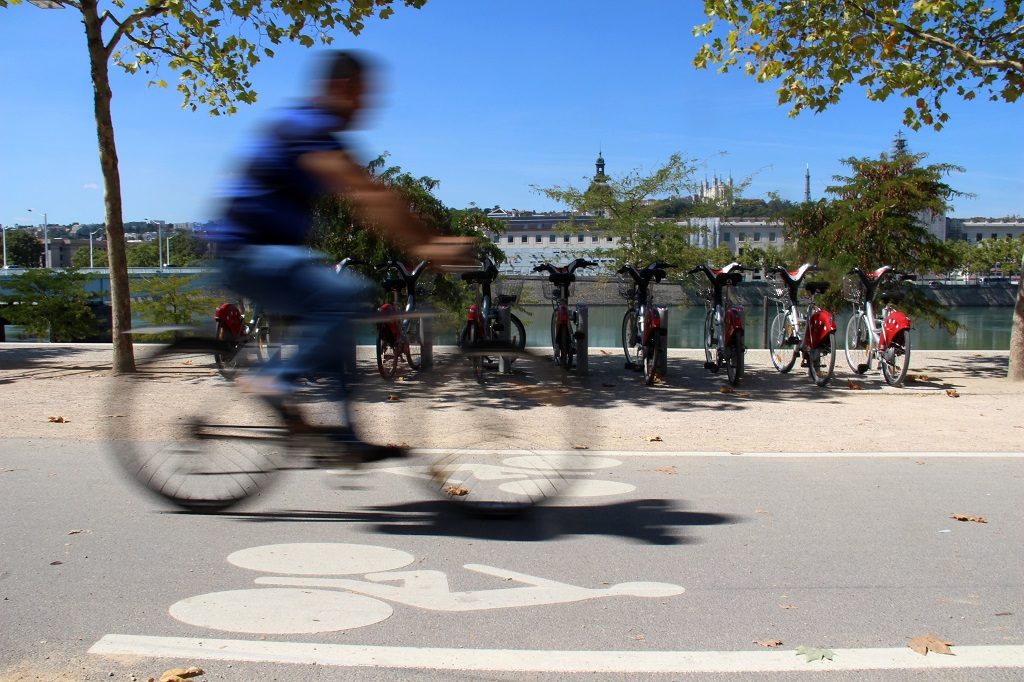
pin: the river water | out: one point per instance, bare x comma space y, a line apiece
982, 328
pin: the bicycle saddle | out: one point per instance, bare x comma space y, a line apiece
794, 276
816, 288
562, 277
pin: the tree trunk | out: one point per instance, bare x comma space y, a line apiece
120, 300
1017, 334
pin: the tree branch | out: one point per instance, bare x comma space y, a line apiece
125, 26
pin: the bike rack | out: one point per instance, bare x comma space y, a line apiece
427, 339
661, 363
505, 320
583, 344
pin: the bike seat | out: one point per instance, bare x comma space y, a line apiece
891, 296
728, 278
393, 284
505, 299
816, 288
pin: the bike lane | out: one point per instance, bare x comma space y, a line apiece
672, 562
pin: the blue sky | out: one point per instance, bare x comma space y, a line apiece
489, 97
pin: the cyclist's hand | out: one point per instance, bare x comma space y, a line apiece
447, 252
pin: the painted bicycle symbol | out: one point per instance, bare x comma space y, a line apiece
305, 599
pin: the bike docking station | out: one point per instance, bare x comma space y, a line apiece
582, 314
505, 337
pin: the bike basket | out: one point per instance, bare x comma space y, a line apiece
627, 289
507, 288
779, 292
550, 290
853, 289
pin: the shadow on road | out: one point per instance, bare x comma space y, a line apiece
651, 521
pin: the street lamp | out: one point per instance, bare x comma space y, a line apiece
90, 246
46, 241
5, 228
168, 263
159, 242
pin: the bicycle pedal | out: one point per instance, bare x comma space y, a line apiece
862, 368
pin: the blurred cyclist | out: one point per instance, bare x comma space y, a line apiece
267, 216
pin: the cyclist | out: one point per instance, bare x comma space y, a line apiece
266, 218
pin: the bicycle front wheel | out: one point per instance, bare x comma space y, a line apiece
821, 361
710, 341
414, 341
649, 353
858, 343
563, 348
896, 359
783, 352
187, 435
630, 342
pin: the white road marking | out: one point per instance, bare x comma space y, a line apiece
521, 660
281, 611
721, 453
320, 558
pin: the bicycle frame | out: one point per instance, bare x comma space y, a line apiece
727, 320
564, 320
892, 321
649, 327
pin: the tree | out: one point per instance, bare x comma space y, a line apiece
622, 208
80, 258
175, 300
212, 66
24, 250
877, 218
921, 50
51, 304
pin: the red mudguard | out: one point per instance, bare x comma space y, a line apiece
821, 324
230, 316
733, 321
895, 323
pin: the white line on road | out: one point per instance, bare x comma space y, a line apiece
513, 660
427, 452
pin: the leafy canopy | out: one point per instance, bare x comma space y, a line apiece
923, 50
211, 45
52, 304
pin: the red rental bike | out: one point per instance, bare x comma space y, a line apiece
399, 336
565, 332
810, 335
644, 332
872, 336
723, 326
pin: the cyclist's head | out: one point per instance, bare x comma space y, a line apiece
347, 81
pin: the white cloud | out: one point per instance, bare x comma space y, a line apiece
90, 186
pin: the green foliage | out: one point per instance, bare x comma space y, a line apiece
173, 300
52, 304
876, 219
622, 208
80, 259
24, 249
921, 51
990, 255
212, 45
337, 233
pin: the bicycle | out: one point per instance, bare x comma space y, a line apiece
242, 337
644, 325
809, 335
565, 329
885, 337
485, 324
402, 336
225, 444
723, 325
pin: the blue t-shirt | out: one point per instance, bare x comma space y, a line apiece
271, 199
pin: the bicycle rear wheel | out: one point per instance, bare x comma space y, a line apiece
563, 347
896, 359
414, 337
858, 343
710, 342
734, 358
783, 352
387, 353
187, 435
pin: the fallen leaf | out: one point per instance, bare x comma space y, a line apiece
725, 389
457, 491
56, 563
811, 653
578, 446
653, 439
786, 606
187, 362
968, 517
639, 638
670, 470
920, 461
933, 643
760, 511
59, 420
951, 392
1005, 613
604, 352
392, 398
769, 643
178, 674
918, 377
855, 385
76, 531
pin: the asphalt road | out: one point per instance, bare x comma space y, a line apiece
661, 565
